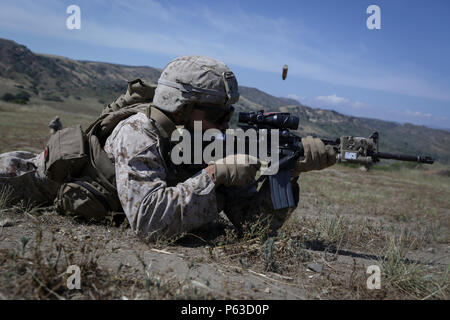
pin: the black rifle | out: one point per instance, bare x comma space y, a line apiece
349, 149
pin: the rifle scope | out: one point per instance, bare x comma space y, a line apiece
279, 120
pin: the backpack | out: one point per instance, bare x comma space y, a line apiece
76, 159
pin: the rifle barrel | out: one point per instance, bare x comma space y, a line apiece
401, 157
334, 142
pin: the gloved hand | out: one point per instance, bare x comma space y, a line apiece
317, 155
235, 170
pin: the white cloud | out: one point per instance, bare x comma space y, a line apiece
417, 114
296, 97
334, 100
357, 108
423, 115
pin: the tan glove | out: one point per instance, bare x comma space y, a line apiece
235, 170
317, 155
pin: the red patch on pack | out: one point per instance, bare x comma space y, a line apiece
46, 154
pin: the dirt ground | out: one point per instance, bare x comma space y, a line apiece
396, 218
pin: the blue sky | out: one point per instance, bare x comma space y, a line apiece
400, 72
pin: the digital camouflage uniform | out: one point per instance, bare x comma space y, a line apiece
152, 197
155, 196
22, 174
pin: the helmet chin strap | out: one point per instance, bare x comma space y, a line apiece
186, 115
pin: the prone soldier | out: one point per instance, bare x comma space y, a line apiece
158, 197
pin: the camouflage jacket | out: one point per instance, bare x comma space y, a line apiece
150, 204
157, 200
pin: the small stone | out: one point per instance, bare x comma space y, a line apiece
431, 250
315, 267
243, 263
199, 284
267, 290
6, 223
249, 286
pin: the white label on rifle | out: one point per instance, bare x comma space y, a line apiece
350, 155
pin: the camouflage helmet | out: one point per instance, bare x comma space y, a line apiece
195, 79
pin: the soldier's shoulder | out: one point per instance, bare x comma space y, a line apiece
137, 126
138, 122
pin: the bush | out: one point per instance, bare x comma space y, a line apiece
23, 96
8, 97
20, 98
50, 97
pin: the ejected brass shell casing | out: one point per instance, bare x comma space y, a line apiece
285, 70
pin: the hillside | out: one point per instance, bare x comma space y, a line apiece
84, 87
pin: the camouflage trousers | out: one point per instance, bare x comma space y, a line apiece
22, 176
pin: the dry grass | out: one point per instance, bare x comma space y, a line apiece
5, 193
25, 127
390, 219
412, 278
36, 269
